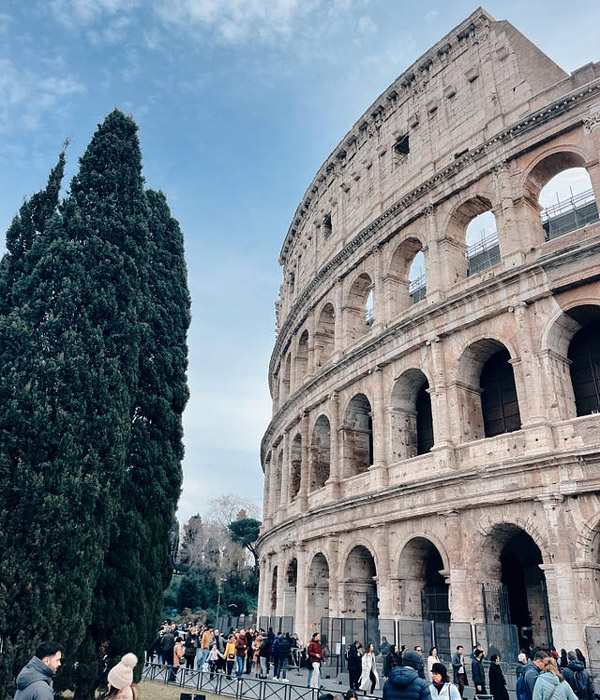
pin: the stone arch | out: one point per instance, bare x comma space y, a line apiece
302, 358
422, 580
456, 229
397, 282
320, 453
411, 420
357, 436
358, 320
567, 214
317, 588
295, 465
487, 390
289, 587
360, 583
563, 364
514, 583
325, 334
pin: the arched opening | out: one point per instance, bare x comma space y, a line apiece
518, 594
499, 403
273, 596
359, 307
320, 453
360, 586
481, 237
423, 592
289, 591
405, 281
317, 592
302, 358
325, 335
410, 416
584, 356
564, 194
295, 466
357, 435
417, 287
487, 397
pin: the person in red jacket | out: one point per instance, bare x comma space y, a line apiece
241, 647
315, 655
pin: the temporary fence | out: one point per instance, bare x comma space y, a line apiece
498, 639
278, 623
220, 684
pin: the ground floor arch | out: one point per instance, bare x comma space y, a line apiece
422, 582
317, 588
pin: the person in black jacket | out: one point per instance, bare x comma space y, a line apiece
391, 660
578, 678
284, 647
478, 672
354, 664
404, 682
497, 680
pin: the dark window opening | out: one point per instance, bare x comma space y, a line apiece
584, 354
424, 421
327, 227
499, 403
402, 148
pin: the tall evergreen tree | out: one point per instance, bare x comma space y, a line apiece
69, 353
128, 600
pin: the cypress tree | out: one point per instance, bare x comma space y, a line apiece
128, 601
69, 351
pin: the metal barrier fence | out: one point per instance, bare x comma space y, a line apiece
278, 623
498, 639
219, 684
226, 622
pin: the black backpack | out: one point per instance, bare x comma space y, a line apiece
580, 681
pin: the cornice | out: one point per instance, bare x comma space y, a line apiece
525, 125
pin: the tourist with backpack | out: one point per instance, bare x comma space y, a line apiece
578, 678
550, 684
531, 671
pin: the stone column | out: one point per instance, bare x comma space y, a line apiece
335, 603
380, 432
304, 468
284, 496
335, 458
267, 518
280, 563
262, 588
433, 258
339, 341
384, 582
442, 432
513, 245
380, 317
301, 580
460, 596
532, 398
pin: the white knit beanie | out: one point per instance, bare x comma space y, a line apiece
121, 675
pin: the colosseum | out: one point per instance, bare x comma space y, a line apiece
432, 466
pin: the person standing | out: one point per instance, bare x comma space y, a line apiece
120, 679
478, 672
284, 648
404, 682
176, 662
532, 671
241, 649
230, 655
578, 678
391, 660
315, 656
34, 681
497, 680
459, 670
354, 664
369, 680
551, 684
441, 688
433, 658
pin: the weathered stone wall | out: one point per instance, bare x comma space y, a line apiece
487, 119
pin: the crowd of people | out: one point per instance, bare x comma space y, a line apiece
406, 675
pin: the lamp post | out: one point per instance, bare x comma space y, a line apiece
219, 591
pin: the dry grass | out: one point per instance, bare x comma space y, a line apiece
152, 690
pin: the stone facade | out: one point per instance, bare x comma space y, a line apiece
430, 458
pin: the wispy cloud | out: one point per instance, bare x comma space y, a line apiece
74, 14
25, 97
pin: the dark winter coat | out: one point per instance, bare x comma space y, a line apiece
404, 683
530, 676
34, 682
497, 683
283, 648
569, 672
391, 660
354, 662
478, 674
457, 662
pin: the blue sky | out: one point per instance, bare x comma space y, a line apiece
238, 103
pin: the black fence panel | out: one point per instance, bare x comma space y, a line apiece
498, 639
416, 633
